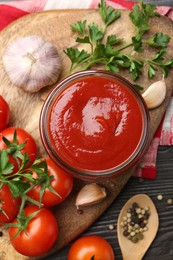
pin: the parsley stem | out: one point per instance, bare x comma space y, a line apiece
124, 46
149, 61
89, 64
74, 67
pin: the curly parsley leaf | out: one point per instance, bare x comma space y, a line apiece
159, 40
113, 40
138, 87
75, 55
5, 166
151, 71
79, 27
135, 69
108, 50
95, 34
108, 14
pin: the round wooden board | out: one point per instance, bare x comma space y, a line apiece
54, 26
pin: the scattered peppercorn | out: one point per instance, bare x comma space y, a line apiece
111, 226
169, 201
1, 233
135, 222
160, 197
80, 211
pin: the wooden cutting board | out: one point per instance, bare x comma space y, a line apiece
54, 27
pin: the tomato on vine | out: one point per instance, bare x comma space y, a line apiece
54, 191
4, 113
37, 234
17, 142
9, 206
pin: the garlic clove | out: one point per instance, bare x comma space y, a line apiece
90, 194
32, 63
155, 94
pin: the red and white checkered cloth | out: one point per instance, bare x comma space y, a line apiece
10, 11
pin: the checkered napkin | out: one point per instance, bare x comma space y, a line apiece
10, 11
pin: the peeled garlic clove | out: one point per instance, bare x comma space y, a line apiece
155, 94
32, 63
90, 194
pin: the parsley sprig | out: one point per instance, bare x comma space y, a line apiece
22, 181
113, 53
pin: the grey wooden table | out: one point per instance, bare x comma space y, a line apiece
162, 247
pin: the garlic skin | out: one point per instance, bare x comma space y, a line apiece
155, 94
32, 63
90, 194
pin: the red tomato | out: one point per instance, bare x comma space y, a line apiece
62, 183
86, 247
22, 136
41, 233
4, 113
9, 206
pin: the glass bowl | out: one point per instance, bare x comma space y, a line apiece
95, 125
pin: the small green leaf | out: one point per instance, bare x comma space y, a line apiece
75, 55
108, 14
83, 40
151, 71
112, 67
135, 69
3, 159
137, 43
159, 40
113, 40
159, 56
5, 166
165, 71
169, 63
149, 9
95, 33
109, 51
79, 27
138, 87
14, 189
8, 169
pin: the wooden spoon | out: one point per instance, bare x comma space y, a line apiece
136, 251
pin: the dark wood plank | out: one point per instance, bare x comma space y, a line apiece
163, 244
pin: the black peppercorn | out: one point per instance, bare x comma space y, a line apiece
125, 233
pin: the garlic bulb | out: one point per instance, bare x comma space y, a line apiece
90, 194
31, 63
155, 94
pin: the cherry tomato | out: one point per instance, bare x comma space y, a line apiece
9, 206
22, 136
86, 247
41, 233
4, 113
62, 183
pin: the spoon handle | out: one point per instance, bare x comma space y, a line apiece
128, 257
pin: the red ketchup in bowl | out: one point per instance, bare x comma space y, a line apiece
95, 124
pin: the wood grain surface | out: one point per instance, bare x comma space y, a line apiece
54, 26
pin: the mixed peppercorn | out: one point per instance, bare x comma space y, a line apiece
135, 222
